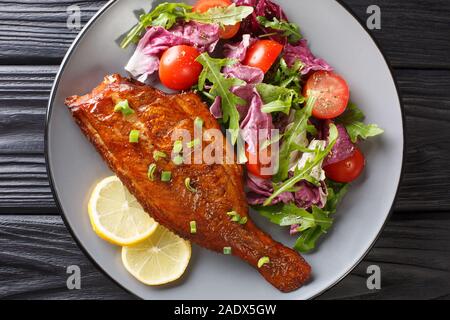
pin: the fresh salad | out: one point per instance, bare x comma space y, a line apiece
256, 72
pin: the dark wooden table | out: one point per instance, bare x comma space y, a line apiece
36, 248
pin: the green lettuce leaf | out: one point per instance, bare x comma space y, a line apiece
290, 138
277, 99
223, 16
352, 120
304, 173
164, 15
221, 87
290, 30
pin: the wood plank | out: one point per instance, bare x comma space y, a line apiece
414, 34
24, 92
413, 255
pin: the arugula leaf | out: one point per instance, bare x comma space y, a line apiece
277, 99
164, 15
356, 129
304, 173
289, 144
223, 16
336, 192
288, 77
221, 87
290, 30
289, 214
308, 239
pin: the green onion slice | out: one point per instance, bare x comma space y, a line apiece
158, 155
177, 146
187, 183
243, 220
227, 250
198, 123
194, 143
124, 107
151, 171
193, 225
134, 136
178, 160
263, 261
166, 176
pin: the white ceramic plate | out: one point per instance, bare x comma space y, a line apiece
334, 34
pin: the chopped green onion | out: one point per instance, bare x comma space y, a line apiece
227, 250
177, 146
123, 107
194, 143
178, 160
243, 220
187, 183
236, 217
193, 225
134, 136
198, 123
151, 171
263, 261
166, 176
158, 155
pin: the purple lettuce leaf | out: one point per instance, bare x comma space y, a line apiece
343, 148
255, 123
301, 52
264, 8
248, 74
261, 189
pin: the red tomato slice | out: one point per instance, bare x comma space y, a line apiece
201, 6
332, 94
254, 165
178, 69
347, 170
263, 54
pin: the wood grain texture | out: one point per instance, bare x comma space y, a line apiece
414, 33
413, 254
24, 92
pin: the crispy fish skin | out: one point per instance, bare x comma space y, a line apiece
220, 188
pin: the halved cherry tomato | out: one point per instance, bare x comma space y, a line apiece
178, 69
263, 54
227, 32
254, 166
331, 91
347, 170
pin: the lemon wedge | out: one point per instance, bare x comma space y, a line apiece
116, 216
160, 259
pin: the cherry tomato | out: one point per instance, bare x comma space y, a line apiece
347, 170
254, 166
227, 32
263, 54
178, 69
332, 94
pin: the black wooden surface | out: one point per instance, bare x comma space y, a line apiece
36, 248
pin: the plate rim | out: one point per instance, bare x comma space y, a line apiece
49, 110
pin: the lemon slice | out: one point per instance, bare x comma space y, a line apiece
160, 259
116, 216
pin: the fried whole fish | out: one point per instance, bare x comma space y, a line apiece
219, 187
